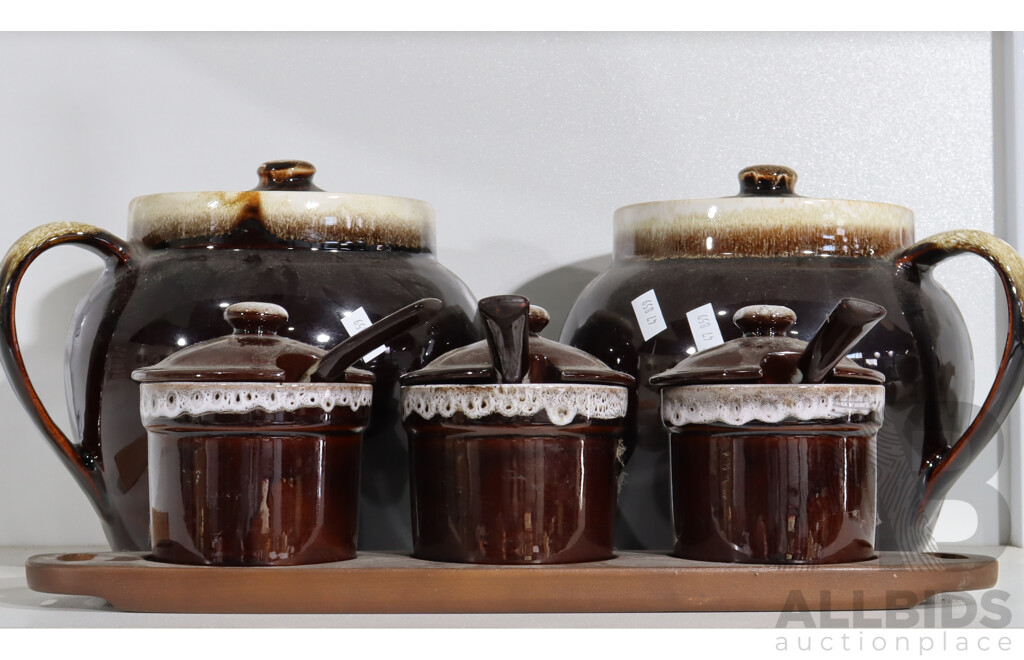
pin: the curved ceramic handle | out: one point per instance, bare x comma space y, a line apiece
17, 260
942, 468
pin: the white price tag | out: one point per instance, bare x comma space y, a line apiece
704, 327
355, 323
648, 314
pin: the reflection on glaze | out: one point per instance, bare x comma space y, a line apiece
561, 403
776, 498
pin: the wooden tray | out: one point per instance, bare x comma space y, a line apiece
394, 583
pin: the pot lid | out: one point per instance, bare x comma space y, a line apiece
766, 218
286, 206
254, 352
764, 354
514, 352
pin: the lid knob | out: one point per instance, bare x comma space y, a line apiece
764, 320
767, 180
539, 319
255, 318
286, 175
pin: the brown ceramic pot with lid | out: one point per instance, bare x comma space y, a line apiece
515, 444
772, 448
329, 258
249, 462
769, 243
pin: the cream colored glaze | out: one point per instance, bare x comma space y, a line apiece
986, 245
290, 215
170, 400
761, 226
33, 238
736, 405
561, 403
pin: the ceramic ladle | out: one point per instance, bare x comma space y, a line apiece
506, 319
845, 325
334, 363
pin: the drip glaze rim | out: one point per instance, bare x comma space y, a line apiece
761, 226
311, 216
739, 404
173, 399
561, 402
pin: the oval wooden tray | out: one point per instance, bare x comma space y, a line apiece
394, 583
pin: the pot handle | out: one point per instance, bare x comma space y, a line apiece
17, 260
942, 467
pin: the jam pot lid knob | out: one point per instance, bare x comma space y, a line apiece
767, 180
764, 320
538, 320
255, 318
286, 175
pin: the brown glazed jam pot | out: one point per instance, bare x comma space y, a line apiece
515, 446
323, 256
765, 467
248, 464
768, 243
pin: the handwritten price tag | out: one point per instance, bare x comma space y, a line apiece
648, 314
356, 322
704, 327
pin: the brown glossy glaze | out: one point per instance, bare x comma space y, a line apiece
921, 412
773, 495
761, 180
513, 490
769, 254
167, 286
768, 353
255, 489
515, 444
507, 321
519, 355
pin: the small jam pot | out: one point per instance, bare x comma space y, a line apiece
765, 470
247, 465
515, 446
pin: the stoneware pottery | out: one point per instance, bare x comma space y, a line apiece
249, 462
772, 442
515, 444
712, 257
336, 262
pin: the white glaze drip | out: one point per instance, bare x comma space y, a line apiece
171, 400
741, 404
561, 403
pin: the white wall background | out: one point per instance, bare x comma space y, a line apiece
524, 143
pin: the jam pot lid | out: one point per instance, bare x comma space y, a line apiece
514, 352
764, 354
254, 352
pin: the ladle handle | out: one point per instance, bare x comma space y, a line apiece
843, 328
334, 363
21, 255
941, 465
506, 319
